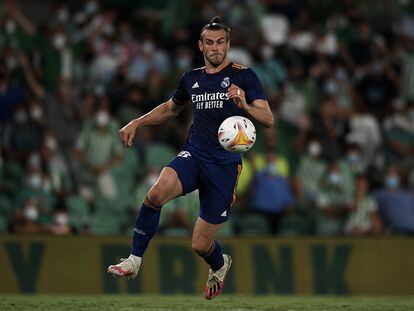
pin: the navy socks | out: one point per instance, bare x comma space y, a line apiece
145, 227
214, 256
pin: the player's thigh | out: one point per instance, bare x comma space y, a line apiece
167, 187
218, 191
203, 235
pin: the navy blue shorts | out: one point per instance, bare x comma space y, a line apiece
216, 184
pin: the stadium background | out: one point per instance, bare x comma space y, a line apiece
325, 202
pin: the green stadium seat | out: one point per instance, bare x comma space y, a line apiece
158, 155
78, 212
293, 224
227, 229
4, 224
252, 224
105, 223
6, 207
176, 232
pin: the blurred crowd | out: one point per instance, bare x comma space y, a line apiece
339, 76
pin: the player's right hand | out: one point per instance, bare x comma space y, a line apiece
127, 133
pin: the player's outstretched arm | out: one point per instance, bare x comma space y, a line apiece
259, 109
158, 115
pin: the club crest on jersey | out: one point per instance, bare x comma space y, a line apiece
225, 83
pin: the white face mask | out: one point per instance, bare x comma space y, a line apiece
31, 212
267, 52
51, 143
91, 7
35, 181
10, 26
102, 118
34, 160
63, 15
334, 178
148, 47
20, 117
183, 63
108, 29
61, 219
36, 113
59, 41
314, 149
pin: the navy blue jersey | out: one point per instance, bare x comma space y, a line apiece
211, 106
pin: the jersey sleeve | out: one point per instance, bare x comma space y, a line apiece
252, 86
180, 95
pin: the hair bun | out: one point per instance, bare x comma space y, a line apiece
215, 19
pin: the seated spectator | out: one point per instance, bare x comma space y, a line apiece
363, 218
396, 203
98, 150
29, 219
271, 193
310, 171
21, 136
333, 200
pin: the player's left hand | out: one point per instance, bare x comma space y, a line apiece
238, 96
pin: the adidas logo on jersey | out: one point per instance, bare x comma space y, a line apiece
224, 214
195, 85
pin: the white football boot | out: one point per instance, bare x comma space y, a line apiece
127, 267
215, 282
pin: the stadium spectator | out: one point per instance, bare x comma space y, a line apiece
396, 203
271, 193
341, 76
334, 199
363, 218
98, 150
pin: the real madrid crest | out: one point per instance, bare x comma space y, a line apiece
225, 83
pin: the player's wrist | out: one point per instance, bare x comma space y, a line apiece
247, 107
136, 123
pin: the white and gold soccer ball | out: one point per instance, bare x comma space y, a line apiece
237, 134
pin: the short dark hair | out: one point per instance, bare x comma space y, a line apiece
216, 24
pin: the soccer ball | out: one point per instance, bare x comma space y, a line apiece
237, 134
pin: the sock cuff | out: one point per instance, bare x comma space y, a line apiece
211, 250
150, 204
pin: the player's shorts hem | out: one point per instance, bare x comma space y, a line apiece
179, 178
213, 222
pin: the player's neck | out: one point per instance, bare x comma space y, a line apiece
210, 69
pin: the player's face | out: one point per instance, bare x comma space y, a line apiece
214, 46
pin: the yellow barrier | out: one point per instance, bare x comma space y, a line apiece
260, 265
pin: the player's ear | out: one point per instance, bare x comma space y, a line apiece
228, 45
200, 45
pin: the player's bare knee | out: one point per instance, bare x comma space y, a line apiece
156, 195
200, 248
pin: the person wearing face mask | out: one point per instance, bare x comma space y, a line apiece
354, 159
363, 218
271, 193
98, 150
21, 136
55, 165
27, 219
310, 171
10, 95
333, 200
395, 203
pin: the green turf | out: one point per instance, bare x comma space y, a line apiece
181, 302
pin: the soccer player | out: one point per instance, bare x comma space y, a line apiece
218, 90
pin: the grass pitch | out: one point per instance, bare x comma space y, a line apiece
182, 302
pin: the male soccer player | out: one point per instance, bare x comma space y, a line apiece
217, 91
